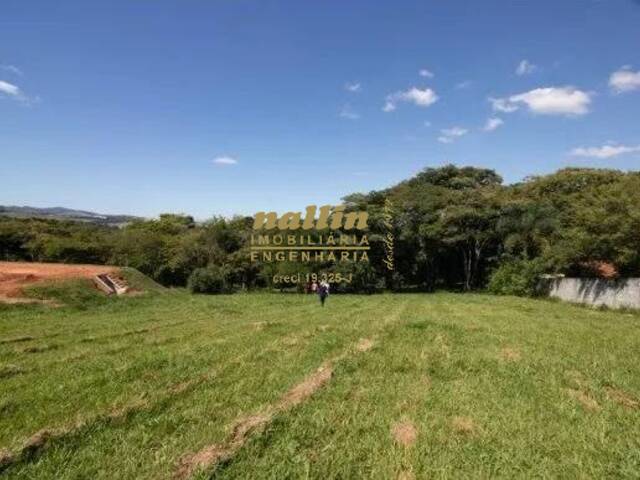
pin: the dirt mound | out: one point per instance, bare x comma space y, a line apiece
14, 276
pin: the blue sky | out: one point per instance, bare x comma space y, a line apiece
216, 107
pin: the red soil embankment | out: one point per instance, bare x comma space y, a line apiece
14, 276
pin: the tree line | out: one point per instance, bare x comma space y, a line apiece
453, 228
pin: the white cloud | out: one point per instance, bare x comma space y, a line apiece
426, 73
502, 105
353, 87
525, 67
605, 151
492, 124
463, 85
450, 134
421, 98
225, 160
12, 69
348, 113
427, 123
13, 91
547, 101
10, 89
624, 80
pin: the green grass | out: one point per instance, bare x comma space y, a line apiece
494, 386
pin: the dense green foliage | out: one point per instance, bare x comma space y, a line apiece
452, 228
517, 277
210, 279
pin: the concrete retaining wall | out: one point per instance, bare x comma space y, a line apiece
622, 293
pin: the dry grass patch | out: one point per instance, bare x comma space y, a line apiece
306, 388
622, 398
7, 371
364, 344
404, 433
38, 348
406, 475
6, 458
463, 425
588, 402
210, 455
24, 338
510, 354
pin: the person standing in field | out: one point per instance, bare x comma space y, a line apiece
314, 287
323, 292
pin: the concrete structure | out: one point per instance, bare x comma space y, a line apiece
622, 293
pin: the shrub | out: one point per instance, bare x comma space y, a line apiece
211, 279
516, 277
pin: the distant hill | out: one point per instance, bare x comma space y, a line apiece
60, 213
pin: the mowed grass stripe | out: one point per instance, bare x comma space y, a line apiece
113, 378
457, 386
296, 326
466, 405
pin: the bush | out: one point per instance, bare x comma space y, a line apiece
516, 277
211, 279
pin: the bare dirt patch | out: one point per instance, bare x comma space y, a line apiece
14, 276
582, 397
622, 398
404, 433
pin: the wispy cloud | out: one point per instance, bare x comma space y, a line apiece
624, 80
10, 89
450, 134
605, 151
546, 101
502, 105
353, 87
225, 160
525, 67
348, 113
492, 124
11, 69
426, 73
421, 98
13, 91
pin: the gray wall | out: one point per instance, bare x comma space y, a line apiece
595, 291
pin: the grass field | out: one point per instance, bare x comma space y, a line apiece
272, 386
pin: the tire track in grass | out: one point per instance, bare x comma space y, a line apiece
45, 437
211, 455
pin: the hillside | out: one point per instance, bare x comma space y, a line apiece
61, 213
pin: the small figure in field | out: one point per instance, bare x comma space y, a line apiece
314, 287
323, 292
